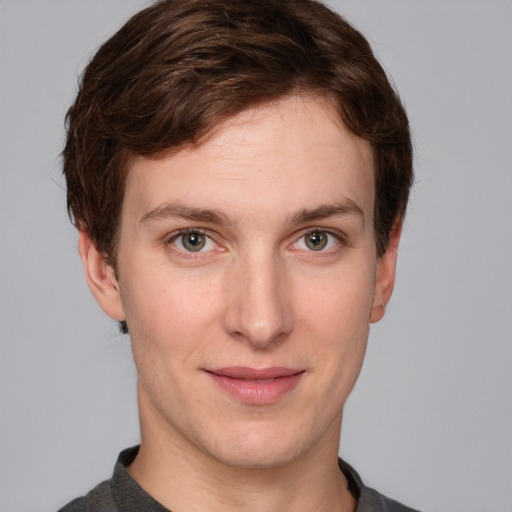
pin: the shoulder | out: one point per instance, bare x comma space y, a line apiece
368, 499
98, 500
77, 505
371, 500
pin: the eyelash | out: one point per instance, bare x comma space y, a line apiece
317, 230
340, 242
188, 231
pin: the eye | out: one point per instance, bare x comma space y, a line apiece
317, 240
192, 241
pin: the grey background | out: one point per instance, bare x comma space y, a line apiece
430, 420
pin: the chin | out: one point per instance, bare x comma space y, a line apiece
259, 449
258, 459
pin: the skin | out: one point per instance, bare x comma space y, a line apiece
256, 295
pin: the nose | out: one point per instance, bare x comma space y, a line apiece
259, 301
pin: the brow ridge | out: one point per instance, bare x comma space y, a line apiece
345, 207
177, 209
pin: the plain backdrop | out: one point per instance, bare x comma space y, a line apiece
430, 420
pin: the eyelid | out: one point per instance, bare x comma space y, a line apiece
340, 238
184, 231
170, 239
332, 233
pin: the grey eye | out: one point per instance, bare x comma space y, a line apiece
193, 242
316, 241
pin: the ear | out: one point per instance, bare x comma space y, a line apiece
385, 277
100, 278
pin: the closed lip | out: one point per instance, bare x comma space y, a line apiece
246, 373
256, 386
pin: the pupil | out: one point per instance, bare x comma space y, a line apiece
194, 239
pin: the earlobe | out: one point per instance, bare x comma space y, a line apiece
100, 277
385, 278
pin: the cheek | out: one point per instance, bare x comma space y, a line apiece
151, 294
335, 313
167, 320
340, 298
169, 315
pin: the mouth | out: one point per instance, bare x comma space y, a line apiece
256, 386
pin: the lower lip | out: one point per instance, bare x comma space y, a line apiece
257, 392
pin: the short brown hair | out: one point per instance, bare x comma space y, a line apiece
179, 67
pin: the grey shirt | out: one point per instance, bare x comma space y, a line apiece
122, 494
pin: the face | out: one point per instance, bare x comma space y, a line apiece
248, 277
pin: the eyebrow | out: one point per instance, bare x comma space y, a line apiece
169, 210
176, 209
345, 207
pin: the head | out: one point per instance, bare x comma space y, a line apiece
239, 171
179, 68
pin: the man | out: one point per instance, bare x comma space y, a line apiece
239, 172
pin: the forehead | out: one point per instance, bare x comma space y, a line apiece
284, 155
